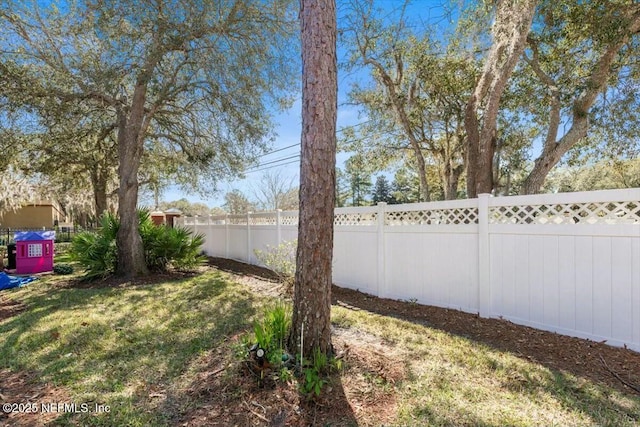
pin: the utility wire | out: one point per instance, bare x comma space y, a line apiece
274, 166
276, 161
342, 129
280, 149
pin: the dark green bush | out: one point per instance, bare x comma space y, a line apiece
164, 247
96, 251
63, 269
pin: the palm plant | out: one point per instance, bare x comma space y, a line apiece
164, 247
96, 251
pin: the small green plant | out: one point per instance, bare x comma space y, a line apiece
63, 269
285, 375
313, 374
279, 319
263, 335
163, 246
271, 333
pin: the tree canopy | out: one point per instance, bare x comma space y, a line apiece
521, 88
189, 81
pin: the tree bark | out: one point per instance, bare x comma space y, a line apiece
399, 108
510, 30
311, 326
99, 183
450, 179
131, 262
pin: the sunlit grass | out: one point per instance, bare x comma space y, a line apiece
114, 346
107, 345
452, 380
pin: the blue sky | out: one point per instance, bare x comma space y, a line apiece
288, 123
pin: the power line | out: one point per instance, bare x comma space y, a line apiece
276, 161
271, 167
342, 129
281, 149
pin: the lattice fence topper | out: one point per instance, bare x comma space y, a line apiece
289, 219
237, 219
453, 216
370, 218
201, 220
263, 220
569, 213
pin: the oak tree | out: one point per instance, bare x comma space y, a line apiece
197, 77
512, 23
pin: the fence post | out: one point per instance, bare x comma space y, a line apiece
249, 237
209, 241
226, 236
195, 226
484, 257
382, 286
278, 227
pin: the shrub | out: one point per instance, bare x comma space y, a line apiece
63, 269
164, 247
282, 260
96, 251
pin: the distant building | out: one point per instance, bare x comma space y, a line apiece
171, 215
46, 213
165, 218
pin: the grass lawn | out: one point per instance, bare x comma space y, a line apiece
170, 353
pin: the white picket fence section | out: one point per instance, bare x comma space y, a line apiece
568, 263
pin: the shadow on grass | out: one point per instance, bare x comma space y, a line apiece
227, 393
573, 375
112, 345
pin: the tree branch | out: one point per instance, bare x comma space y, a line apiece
618, 377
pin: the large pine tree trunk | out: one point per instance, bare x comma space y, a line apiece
312, 290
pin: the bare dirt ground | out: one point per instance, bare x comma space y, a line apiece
226, 393
25, 389
9, 308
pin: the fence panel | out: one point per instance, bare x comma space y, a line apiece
263, 237
355, 258
238, 242
568, 263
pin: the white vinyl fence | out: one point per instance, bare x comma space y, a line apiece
568, 263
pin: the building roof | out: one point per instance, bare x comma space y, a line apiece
34, 235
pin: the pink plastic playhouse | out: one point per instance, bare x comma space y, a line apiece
34, 251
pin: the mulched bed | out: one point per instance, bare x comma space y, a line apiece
121, 282
583, 358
